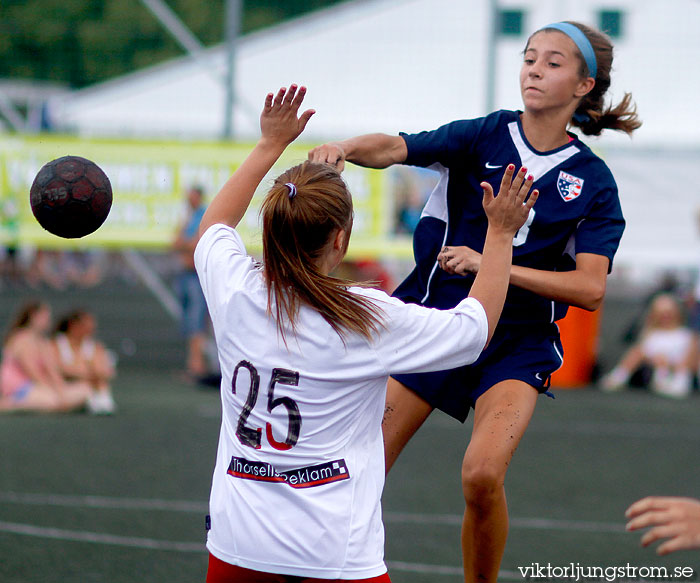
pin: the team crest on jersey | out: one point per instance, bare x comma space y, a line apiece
569, 186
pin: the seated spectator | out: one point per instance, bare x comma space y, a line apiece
666, 350
30, 379
81, 357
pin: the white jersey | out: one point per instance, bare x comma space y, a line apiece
68, 356
673, 345
300, 463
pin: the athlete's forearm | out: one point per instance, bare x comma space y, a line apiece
491, 283
369, 150
375, 150
575, 288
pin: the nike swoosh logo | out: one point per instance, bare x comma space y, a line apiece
493, 167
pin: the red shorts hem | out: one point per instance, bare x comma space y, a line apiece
222, 572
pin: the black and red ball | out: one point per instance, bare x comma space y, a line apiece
71, 197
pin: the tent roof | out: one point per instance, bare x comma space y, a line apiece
390, 65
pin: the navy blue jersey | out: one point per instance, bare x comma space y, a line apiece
578, 210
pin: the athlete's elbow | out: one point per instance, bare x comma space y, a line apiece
593, 298
590, 306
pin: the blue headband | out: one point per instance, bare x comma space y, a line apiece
581, 41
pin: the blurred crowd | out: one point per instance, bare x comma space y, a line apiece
55, 269
55, 368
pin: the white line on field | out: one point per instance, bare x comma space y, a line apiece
424, 568
444, 570
100, 538
515, 522
105, 502
186, 547
195, 507
625, 429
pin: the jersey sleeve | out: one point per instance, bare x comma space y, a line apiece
601, 229
222, 264
420, 339
446, 145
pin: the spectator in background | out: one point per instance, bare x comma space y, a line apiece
668, 284
409, 213
30, 379
60, 269
10, 270
81, 357
9, 265
194, 309
666, 347
84, 268
409, 205
47, 267
694, 295
673, 518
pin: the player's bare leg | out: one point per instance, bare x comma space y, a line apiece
500, 418
404, 413
74, 395
196, 362
41, 398
45, 399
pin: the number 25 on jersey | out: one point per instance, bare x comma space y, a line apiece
252, 436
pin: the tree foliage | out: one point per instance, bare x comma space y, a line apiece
81, 42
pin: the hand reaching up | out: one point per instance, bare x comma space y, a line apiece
278, 121
280, 126
509, 210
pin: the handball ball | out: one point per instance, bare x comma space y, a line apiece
71, 197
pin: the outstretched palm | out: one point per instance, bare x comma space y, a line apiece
509, 210
279, 121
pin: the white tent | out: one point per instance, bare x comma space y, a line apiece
391, 65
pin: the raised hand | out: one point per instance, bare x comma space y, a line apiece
279, 122
280, 126
509, 210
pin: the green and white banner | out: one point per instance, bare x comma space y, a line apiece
148, 182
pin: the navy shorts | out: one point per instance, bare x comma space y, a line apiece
529, 353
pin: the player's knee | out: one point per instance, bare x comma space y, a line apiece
481, 481
51, 402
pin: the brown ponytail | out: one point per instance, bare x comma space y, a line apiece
297, 228
69, 320
591, 116
24, 316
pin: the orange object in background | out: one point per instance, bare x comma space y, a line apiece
579, 336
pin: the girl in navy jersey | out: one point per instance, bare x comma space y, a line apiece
305, 360
561, 257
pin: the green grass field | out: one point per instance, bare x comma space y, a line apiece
123, 499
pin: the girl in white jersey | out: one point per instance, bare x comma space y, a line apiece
305, 360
